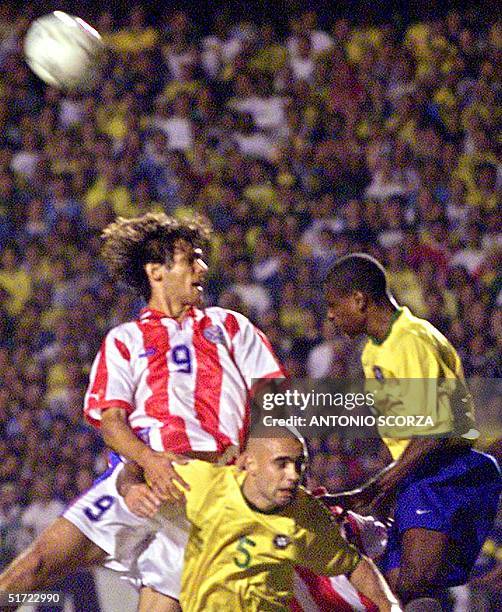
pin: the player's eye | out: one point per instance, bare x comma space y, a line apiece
300, 465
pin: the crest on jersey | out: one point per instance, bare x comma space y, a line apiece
378, 373
281, 541
214, 334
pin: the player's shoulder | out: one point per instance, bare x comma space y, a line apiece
407, 330
227, 317
416, 331
310, 513
202, 471
127, 331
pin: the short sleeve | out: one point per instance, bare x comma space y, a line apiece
412, 389
111, 383
251, 349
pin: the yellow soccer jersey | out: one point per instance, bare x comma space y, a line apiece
416, 369
240, 559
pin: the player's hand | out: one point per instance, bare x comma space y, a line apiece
142, 501
161, 476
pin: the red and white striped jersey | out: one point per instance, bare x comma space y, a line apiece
185, 386
321, 593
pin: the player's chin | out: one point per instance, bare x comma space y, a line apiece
346, 330
196, 295
285, 496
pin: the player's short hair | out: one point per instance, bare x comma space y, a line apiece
358, 272
259, 430
129, 244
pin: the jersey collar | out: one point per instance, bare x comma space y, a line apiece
157, 315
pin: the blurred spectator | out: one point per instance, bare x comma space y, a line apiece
42, 510
10, 523
254, 296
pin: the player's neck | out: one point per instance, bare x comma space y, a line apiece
254, 499
381, 319
171, 308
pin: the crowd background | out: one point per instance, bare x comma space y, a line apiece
300, 143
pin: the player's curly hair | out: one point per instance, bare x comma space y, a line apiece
129, 244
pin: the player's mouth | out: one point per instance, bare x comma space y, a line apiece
288, 492
198, 286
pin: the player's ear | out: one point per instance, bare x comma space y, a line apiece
249, 462
361, 300
241, 461
154, 271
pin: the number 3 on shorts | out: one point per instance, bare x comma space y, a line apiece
99, 507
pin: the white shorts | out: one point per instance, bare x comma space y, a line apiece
146, 552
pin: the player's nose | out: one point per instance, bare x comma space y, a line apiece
201, 267
292, 474
331, 315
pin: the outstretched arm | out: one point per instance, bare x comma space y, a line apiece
377, 495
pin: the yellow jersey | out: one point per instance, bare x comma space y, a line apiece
240, 559
416, 371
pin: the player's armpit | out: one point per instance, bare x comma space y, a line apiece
369, 581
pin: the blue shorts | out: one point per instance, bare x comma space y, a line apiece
457, 495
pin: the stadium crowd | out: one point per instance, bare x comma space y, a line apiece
299, 146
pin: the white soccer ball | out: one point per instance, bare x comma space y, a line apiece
64, 51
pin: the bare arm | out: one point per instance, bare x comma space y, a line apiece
131, 475
383, 488
157, 466
369, 581
138, 496
376, 496
119, 436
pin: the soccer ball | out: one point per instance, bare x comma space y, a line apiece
64, 51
